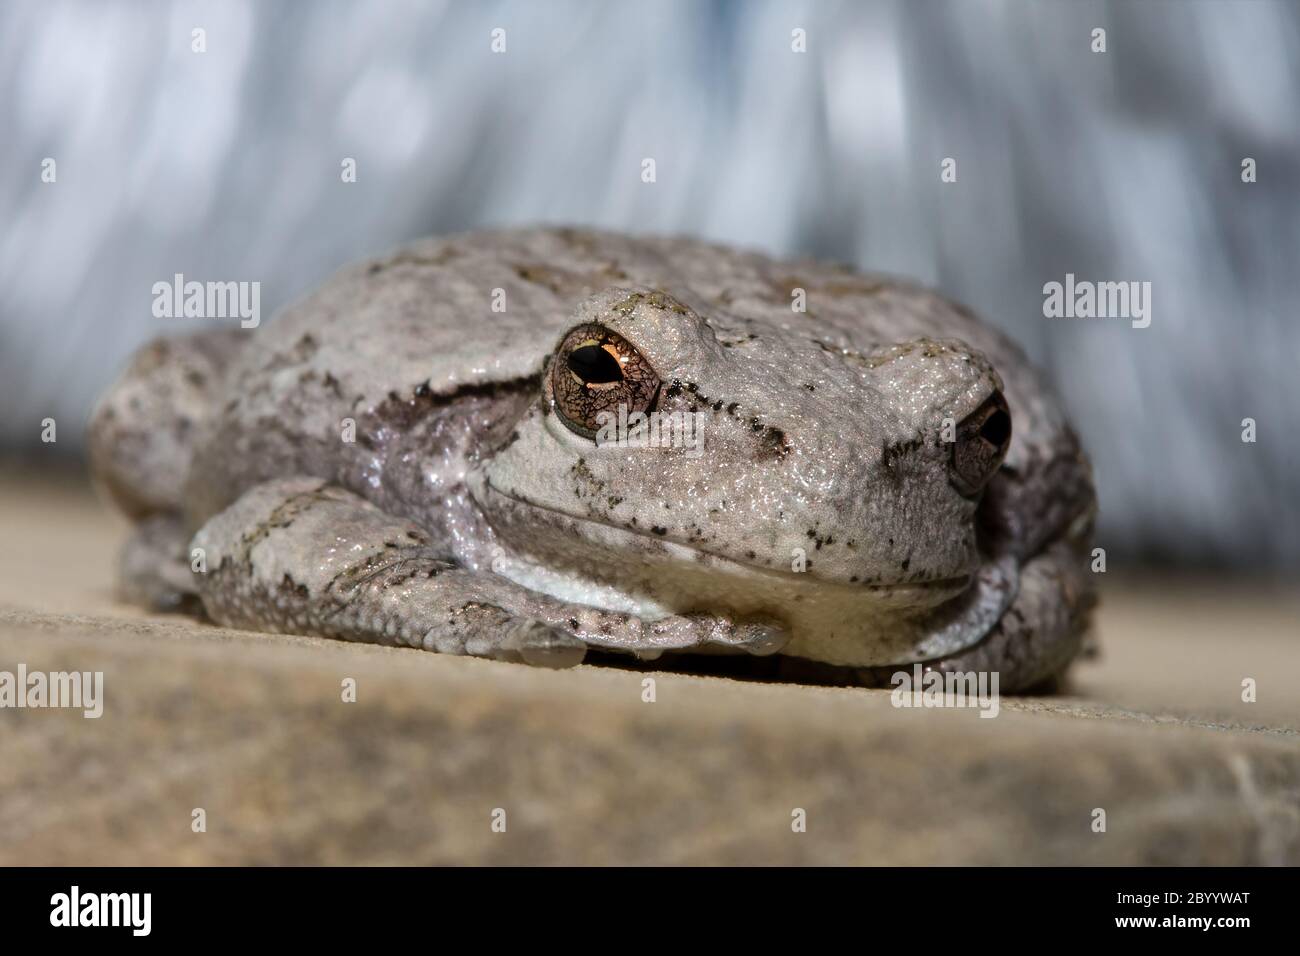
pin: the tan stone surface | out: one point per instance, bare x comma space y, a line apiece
252, 728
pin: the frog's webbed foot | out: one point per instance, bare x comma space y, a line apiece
699, 633
301, 556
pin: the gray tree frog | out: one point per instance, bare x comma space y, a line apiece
413, 455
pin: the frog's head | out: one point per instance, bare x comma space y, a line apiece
675, 464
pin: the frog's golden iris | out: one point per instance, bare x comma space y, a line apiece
596, 370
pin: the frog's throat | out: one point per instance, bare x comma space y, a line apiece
831, 622
928, 593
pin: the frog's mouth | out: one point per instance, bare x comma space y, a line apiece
585, 561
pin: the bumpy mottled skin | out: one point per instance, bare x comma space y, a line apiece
465, 517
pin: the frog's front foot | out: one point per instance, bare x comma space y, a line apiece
302, 556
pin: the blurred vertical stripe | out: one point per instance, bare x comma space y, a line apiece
1116, 166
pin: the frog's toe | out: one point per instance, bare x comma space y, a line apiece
762, 639
541, 645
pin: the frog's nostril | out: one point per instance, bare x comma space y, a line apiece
996, 429
982, 441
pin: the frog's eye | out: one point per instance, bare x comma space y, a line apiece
596, 371
982, 441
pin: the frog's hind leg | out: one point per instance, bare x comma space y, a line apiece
301, 556
141, 440
142, 433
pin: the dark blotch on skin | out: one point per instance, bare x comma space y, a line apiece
891, 454
775, 444
403, 413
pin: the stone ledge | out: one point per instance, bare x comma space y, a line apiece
253, 729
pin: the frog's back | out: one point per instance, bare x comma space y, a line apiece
447, 329
446, 313
487, 307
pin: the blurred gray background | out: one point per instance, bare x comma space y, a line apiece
1123, 165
